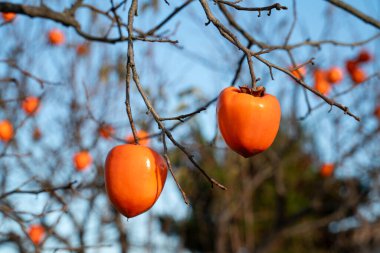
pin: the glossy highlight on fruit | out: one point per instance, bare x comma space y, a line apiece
56, 37
327, 170
30, 105
248, 123
36, 233
8, 16
82, 160
6, 130
142, 135
134, 178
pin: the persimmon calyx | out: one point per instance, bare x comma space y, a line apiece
258, 92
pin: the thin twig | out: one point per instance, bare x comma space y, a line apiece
171, 170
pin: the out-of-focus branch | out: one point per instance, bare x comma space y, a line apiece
171, 15
269, 8
36, 192
67, 19
348, 8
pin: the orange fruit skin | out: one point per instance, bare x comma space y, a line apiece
37, 135
6, 130
30, 105
327, 169
134, 178
36, 233
56, 37
106, 131
351, 65
8, 16
364, 56
82, 49
142, 135
247, 123
298, 72
82, 160
320, 82
322, 86
334, 75
358, 75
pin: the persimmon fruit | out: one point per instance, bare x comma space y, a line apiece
351, 65
106, 131
56, 37
320, 81
37, 135
82, 160
364, 56
327, 170
82, 49
141, 135
358, 75
334, 75
248, 120
134, 178
6, 130
322, 86
30, 105
36, 233
299, 72
8, 16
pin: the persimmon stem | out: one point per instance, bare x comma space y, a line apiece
258, 92
251, 71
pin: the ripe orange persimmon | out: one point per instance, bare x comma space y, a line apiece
327, 170
364, 56
82, 160
358, 75
30, 105
56, 37
36, 233
334, 75
322, 86
6, 130
248, 120
299, 72
351, 65
106, 131
142, 135
82, 49
37, 134
320, 82
8, 16
134, 178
